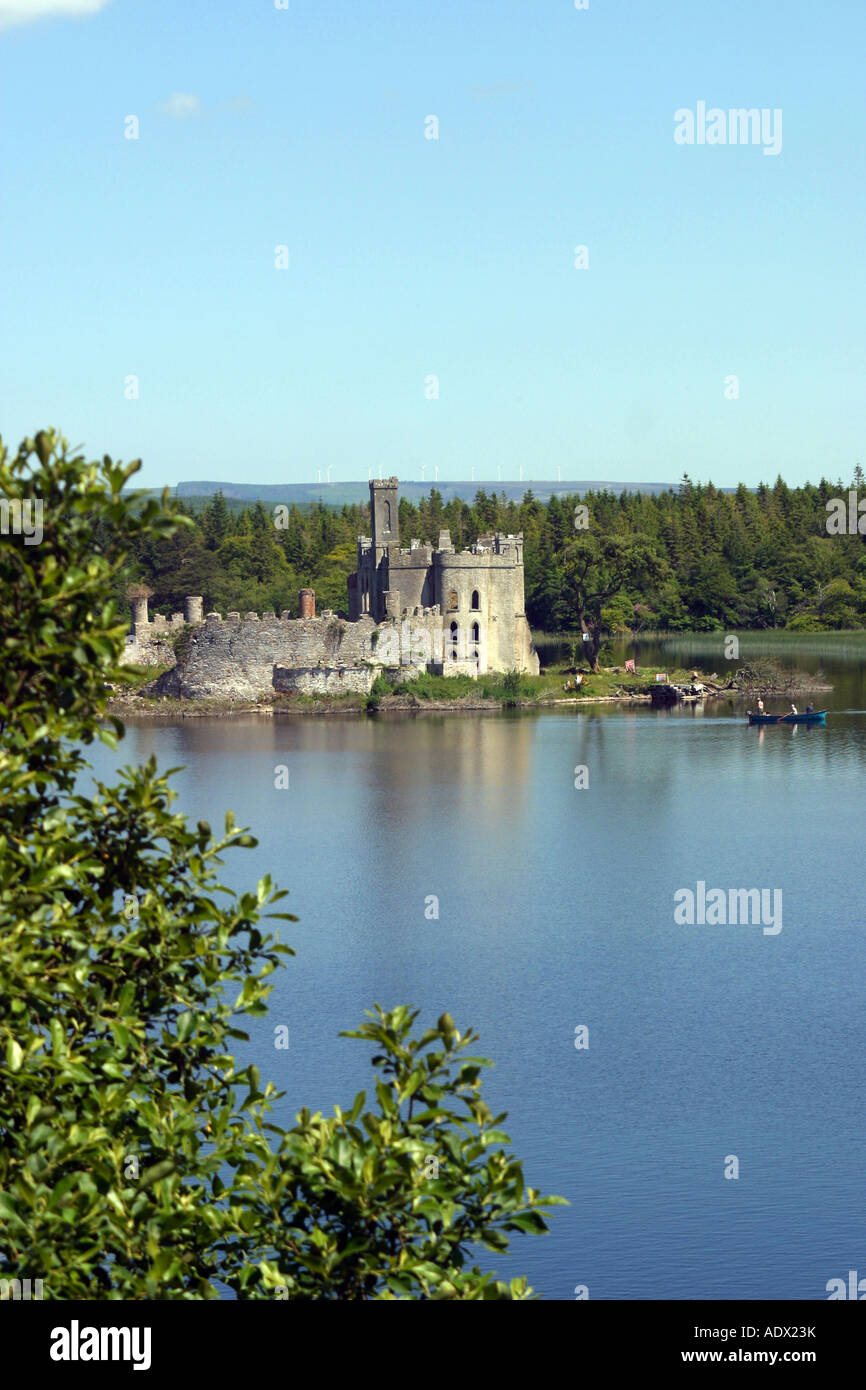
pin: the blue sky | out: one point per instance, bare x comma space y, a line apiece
411, 257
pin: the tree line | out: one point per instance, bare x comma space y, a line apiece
689, 558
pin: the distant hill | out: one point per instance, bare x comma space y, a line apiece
338, 494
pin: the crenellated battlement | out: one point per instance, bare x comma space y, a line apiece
269, 616
150, 641
145, 628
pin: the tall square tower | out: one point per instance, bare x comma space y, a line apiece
383, 507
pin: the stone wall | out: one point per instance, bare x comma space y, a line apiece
249, 658
148, 651
496, 576
410, 575
323, 680
150, 641
234, 658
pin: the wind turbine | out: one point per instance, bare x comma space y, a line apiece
328, 479
318, 475
423, 471
436, 473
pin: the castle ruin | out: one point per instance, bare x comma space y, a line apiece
422, 608
476, 594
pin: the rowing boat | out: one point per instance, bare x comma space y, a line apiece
818, 716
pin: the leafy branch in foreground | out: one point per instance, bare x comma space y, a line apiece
138, 1158
387, 1202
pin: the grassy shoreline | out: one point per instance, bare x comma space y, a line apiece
428, 693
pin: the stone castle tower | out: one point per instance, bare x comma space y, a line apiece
475, 596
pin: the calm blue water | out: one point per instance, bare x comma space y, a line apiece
556, 909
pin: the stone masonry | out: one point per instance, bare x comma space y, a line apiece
236, 658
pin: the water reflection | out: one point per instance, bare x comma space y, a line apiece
555, 908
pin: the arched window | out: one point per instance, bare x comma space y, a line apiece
387, 516
476, 601
476, 633
453, 601
455, 641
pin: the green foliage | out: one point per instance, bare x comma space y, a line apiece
394, 1195
511, 687
427, 686
507, 687
805, 622
138, 1159
511, 683
618, 615
597, 567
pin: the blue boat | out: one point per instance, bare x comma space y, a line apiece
817, 716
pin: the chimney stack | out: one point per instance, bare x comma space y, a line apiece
307, 603
192, 609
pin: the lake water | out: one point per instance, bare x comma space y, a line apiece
556, 909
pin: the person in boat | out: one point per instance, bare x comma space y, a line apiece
794, 709
760, 705
810, 709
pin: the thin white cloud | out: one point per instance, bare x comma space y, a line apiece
180, 105
25, 11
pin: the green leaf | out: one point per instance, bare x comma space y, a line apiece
185, 1024
58, 1038
157, 1172
530, 1221
386, 1098
8, 1210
